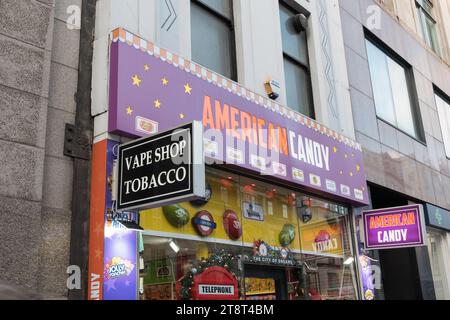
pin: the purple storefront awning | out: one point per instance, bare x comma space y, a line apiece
152, 90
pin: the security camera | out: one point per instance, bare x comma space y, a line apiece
300, 22
272, 89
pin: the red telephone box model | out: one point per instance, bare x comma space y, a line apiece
215, 283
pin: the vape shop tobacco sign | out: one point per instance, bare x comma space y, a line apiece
163, 169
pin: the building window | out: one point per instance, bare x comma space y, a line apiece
212, 33
253, 221
437, 251
443, 107
391, 90
296, 64
428, 24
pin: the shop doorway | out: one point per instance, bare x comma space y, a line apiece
265, 283
401, 277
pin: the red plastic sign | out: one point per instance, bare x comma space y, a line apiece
215, 283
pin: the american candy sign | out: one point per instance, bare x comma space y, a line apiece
152, 90
391, 228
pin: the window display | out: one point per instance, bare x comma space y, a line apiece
248, 240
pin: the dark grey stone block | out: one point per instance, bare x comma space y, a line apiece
421, 153
19, 237
373, 159
364, 114
416, 55
393, 169
358, 72
22, 117
54, 253
439, 183
66, 45
405, 144
21, 171
447, 194
58, 179
24, 67
426, 183
63, 83
352, 7
439, 73
424, 87
353, 34
29, 21
388, 135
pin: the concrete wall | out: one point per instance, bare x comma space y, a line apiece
258, 40
38, 82
393, 159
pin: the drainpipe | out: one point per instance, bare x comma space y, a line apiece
78, 145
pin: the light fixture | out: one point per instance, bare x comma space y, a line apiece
349, 261
174, 246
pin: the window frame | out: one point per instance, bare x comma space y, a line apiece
444, 97
230, 22
410, 83
426, 15
295, 61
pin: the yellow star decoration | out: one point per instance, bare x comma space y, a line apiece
129, 111
165, 81
335, 149
351, 174
146, 67
187, 88
182, 116
136, 81
358, 168
157, 104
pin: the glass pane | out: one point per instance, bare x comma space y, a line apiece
325, 242
432, 35
436, 252
211, 41
221, 6
401, 97
294, 44
252, 232
297, 88
444, 119
382, 92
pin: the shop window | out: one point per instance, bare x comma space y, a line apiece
438, 254
212, 35
265, 242
443, 107
428, 24
392, 90
296, 64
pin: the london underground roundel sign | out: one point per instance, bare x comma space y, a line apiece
204, 223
